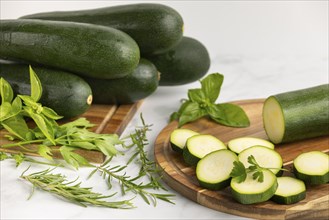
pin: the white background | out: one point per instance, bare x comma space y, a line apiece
261, 48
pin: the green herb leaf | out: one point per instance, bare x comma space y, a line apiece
196, 95
49, 113
45, 152
201, 103
230, 115
5, 110
72, 158
211, 86
176, 115
107, 148
192, 112
16, 126
19, 158
3, 156
239, 172
6, 92
36, 88
42, 125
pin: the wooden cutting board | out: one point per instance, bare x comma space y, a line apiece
109, 119
181, 177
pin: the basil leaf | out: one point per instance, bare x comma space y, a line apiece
176, 115
6, 92
36, 88
215, 111
211, 86
191, 112
234, 116
196, 95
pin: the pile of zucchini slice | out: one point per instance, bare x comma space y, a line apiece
214, 161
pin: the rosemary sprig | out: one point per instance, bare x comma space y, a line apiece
128, 183
71, 190
147, 167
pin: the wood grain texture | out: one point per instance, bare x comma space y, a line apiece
181, 177
110, 119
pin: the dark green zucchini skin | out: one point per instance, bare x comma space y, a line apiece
155, 27
67, 94
84, 49
186, 63
142, 82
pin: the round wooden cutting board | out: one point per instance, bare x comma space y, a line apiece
181, 177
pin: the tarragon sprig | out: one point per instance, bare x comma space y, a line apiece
48, 133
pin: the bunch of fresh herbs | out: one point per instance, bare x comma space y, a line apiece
47, 133
68, 137
201, 102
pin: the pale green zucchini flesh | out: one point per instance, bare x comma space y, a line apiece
213, 170
312, 167
252, 191
265, 157
199, 146
178, 138
239, 144
290, 190
297, 115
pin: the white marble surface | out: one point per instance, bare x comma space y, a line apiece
261, 47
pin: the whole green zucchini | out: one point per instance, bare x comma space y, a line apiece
142, 82
84, 49
185, 63
297, 115
155, 27
67, 94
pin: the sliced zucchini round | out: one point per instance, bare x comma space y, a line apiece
239, 144
199, 146
213, 170
252, 191
265, 157
290, 190
312, 167
178, 138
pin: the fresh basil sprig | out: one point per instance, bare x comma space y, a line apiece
201, 102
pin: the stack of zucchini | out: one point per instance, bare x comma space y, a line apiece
114, 54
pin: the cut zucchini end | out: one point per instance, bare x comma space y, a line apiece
312, 167
251, 191
290, 190
178, 138
213, 170
273, 119
239, 144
